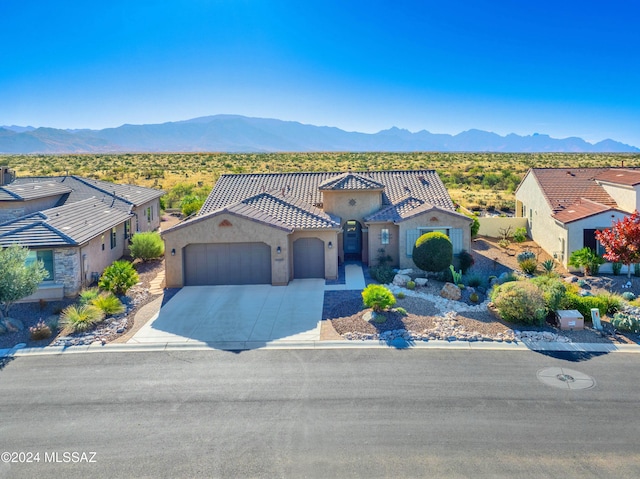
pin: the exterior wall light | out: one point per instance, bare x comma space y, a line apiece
173, 252
278, 250
330, 245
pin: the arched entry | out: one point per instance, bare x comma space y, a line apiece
352, 237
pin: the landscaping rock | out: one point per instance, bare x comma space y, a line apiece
405, 271
450, 291
571, 279
421, 281
401, 279
13, 325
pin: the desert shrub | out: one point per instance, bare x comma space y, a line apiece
109, 304
433, 252
465, 260
520, 235
383, 274
475, 226
474, 297
474, 281
411, 285
616, 268
400, 295
508, 278
636, 269
81, 318
605, 303
553, 291
626, 322
524, 255
587, 259
118, 277
520, 302
40, 331
548, 266
628, 296
401, 311
88, 295
377, 297
504, 243
146, 246
529, 266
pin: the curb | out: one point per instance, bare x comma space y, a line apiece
320, 345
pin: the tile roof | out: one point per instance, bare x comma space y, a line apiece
31, 191
424, 185
621, 176
582, 208
84, 188
350, 181
562, 187
71, 224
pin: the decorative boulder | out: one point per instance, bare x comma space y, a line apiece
421, 281
401, 279
571, 279
405, 271
451, 291
13, 325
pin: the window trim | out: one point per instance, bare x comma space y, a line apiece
114, 240
30, 260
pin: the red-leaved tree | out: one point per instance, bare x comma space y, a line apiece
622, 241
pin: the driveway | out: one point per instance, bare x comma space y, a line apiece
239, 317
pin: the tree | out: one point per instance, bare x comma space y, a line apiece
622, 241
433, 252
17, 280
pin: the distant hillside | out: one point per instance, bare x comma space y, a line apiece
233, 133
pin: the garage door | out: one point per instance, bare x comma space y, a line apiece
227, 263
308, 258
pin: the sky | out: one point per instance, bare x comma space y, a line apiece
563, 68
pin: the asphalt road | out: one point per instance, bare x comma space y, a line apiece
333, 413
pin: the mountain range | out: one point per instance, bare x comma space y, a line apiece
234, 133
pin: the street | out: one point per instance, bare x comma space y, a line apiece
318, 413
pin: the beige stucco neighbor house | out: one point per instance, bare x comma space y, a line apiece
564, 207
272, 228
75, 226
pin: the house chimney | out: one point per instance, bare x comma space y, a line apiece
6, 175
622, 164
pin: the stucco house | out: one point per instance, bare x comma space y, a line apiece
565, 206
75, 226
272, 228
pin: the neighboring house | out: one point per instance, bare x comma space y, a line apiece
564, 207
272, 228
75, 226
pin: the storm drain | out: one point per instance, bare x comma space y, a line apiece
564, 378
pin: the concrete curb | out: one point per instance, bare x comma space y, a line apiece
320, 345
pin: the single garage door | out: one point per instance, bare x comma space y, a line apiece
308, 258
227, 263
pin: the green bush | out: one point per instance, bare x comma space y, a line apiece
636, 269
146, 246
548, 265
383, 274
606, 304
40, 331
377, 297
553, 291
401, 311
109, 304
626, 322
81, 318
118, 277
411, 285
465, 260
433, 252
587, 259
400, 295
520, 302
616, 268
529, 266
88, 295
520, 235
474, 297
474, 281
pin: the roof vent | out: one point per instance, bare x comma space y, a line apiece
569, 173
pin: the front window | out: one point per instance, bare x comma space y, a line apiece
127, 229
384, 236
44, 255
113, 238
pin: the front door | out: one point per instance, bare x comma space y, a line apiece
352, 239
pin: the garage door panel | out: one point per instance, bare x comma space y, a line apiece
308, 258
227, 263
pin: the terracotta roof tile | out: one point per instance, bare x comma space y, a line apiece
350, 181
621, 176
582, 208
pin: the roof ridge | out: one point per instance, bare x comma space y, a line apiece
308, 211
11, 193
86, 182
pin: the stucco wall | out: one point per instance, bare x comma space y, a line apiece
625, 196
375, 243
432, 219
330, 254
339, 203
212, 230
139, 223
14, 209
491, 226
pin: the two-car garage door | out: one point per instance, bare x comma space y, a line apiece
227, 263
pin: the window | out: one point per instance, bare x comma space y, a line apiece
127, 230
44, 255
384, 236
589, 240
113, 237
102, 239
149, 214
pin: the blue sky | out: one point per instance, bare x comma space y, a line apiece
564, 68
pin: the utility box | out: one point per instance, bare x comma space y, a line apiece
595, 318
569, 319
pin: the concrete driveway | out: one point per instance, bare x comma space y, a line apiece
239, 317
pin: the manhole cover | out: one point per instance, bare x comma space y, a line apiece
565, 378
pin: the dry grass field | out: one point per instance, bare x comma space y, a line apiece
474, 180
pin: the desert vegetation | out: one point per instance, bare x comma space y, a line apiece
475, 180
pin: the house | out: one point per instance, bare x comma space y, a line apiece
272, 228
564, 207
75, 226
